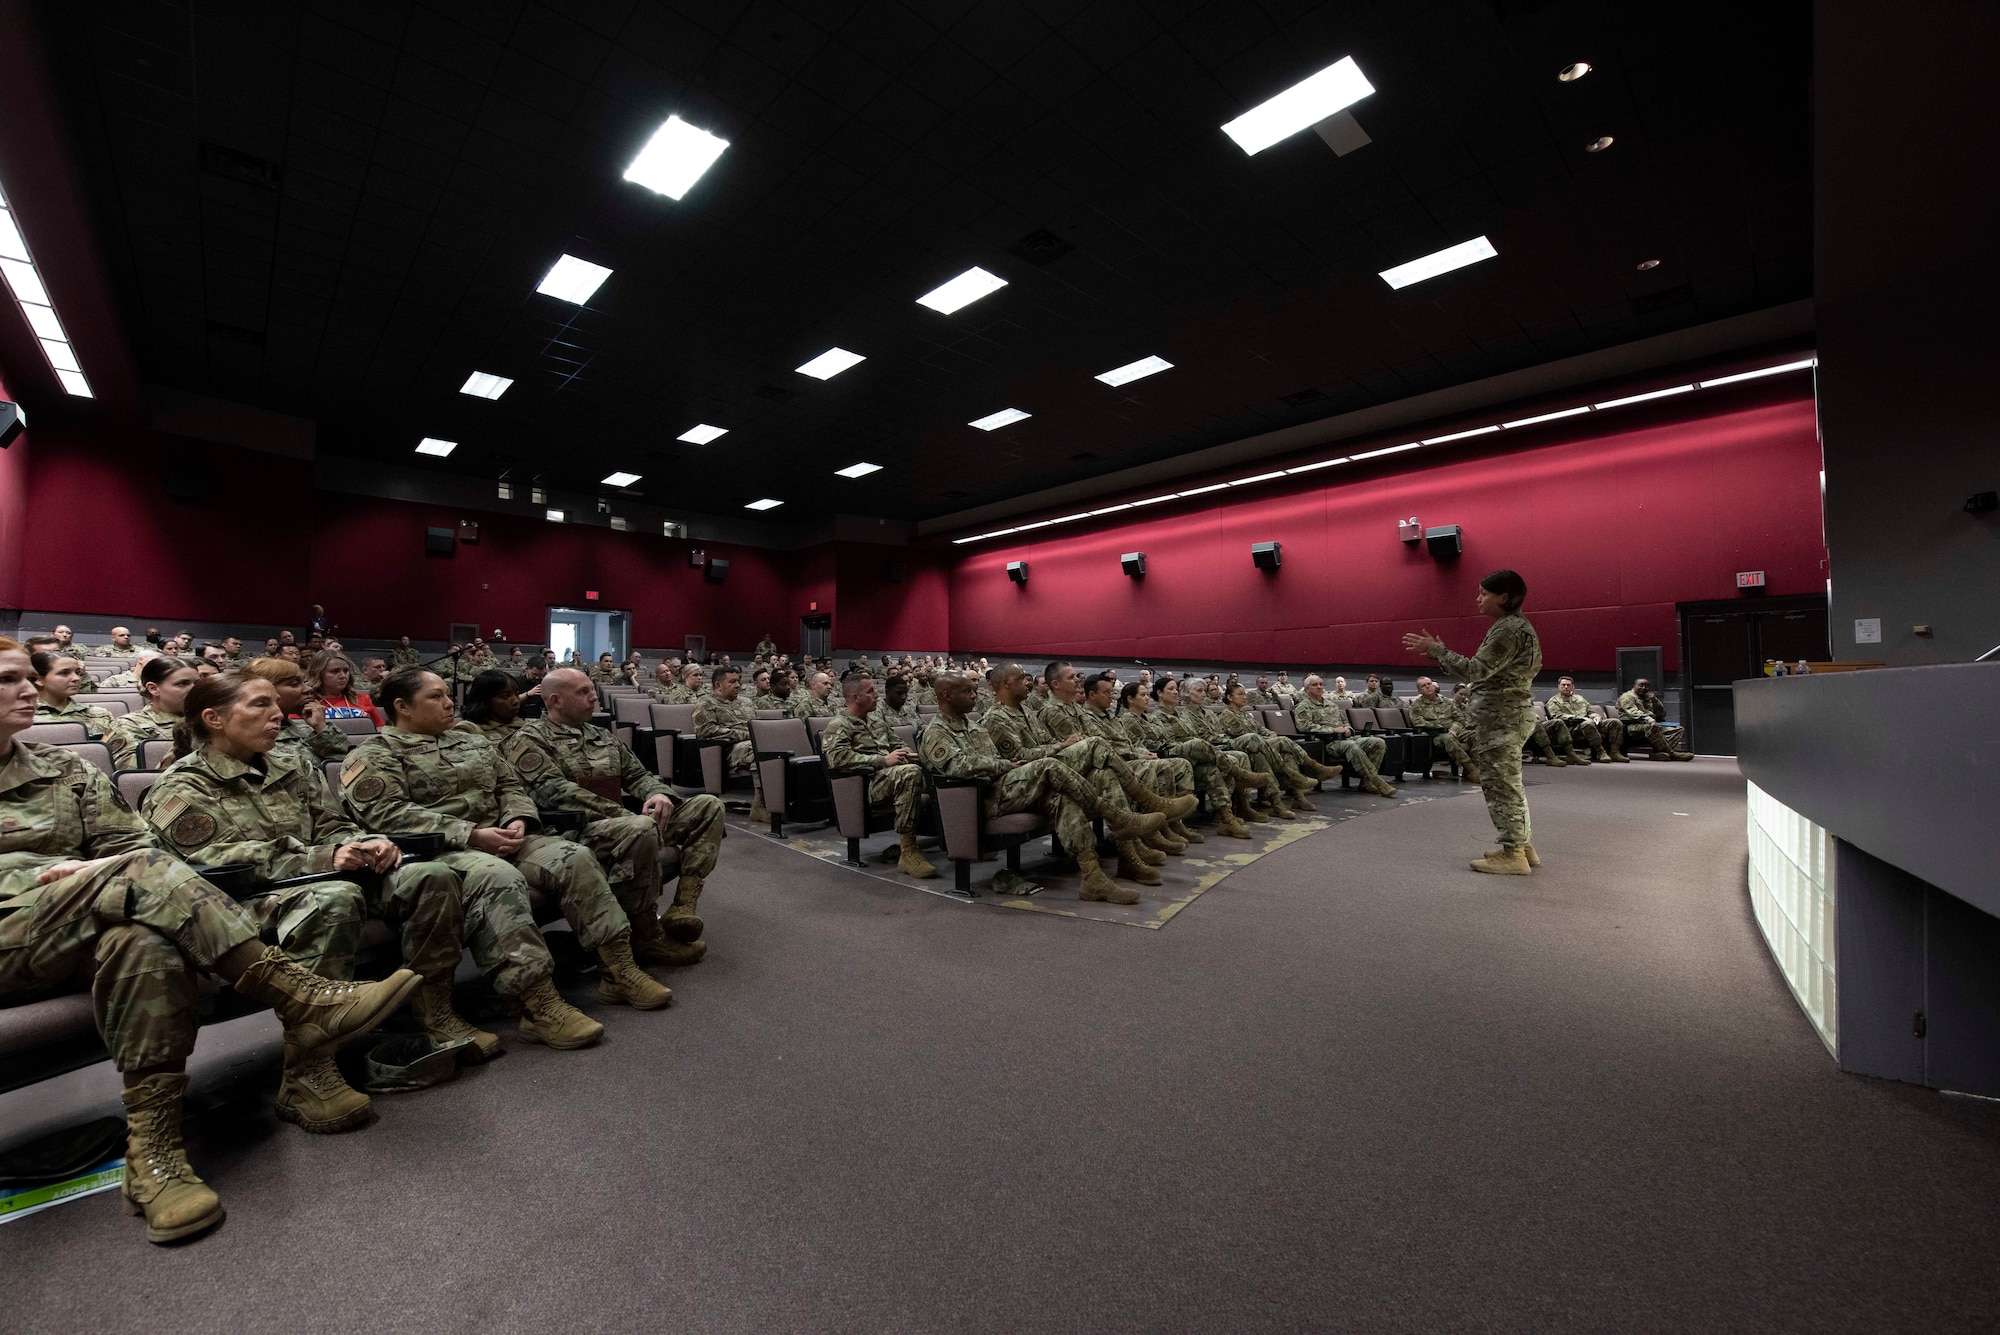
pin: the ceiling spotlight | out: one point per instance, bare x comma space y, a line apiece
1648, 264
433, 446
573, 280
675, 158
621, 479
830, 363
1599, 144
702, 434
1571, 73
1442, 261
766, 504
994, 421
485, 386
963, 290
1131, 371
1306, 103
857, 470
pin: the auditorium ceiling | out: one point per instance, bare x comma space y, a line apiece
340, 209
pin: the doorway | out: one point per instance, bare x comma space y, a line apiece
815, 636
588, 632
1727, 641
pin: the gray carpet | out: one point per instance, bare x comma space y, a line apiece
1353, 1087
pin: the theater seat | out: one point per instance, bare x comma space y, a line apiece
794, 777
53, 734
97, 753
770, 715
112, 706
970, 837
332, 768
133, 783
816, 726
155, 752
354, 727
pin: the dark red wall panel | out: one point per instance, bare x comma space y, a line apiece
875, 613
1610, 531
13, 517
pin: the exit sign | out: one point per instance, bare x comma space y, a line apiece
590, 595
1749, 579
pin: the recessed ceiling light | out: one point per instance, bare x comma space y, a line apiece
1760, 374
994, 421
555, 516
766, 504
1155, 500
482, 385
1461, 435
432, 445
963, 290
573, 280
675, 158
1203, 491
621, 479
26, 283
11, 245
75, 384
60, 354
830, 363
1324, 463
1539, 418
42, 319
1571, 73
1641, 398
702, 434
1599, 144
1306, 103
1111, 509
1138, 370
1261, 477
1440, 261
1648, 264
1393, 449
857, 470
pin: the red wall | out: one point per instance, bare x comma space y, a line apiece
914, 613
13, 515
1610, 531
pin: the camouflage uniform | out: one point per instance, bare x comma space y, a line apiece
125, 734
1154, 731
851, 743
720, 720
298, 741
113, 651
214, 809
961, 749
492, 730
402, 658
1574, 712
1374, 699
1017, 737
1203, 724
1638, 717
906, 717
1358, 755
555, 762
96, 719
407, 783
1345, 699
1284, 753
805, 705
1060, 719
120, 681
142, 916
1500, 717
765, 700
1441, 714
606, 674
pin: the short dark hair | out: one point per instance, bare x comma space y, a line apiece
726, 670
1049, 672
1513, 590
1090, 682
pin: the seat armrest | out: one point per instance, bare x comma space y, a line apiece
961, 810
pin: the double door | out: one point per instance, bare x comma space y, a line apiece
1724, 642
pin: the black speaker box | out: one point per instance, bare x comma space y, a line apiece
12, 423
439, 541
1444, 541
716, 571
1265, 554
1018, 572
1134, 563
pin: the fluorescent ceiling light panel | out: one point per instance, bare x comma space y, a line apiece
484, 386
1203, 491
1155, 500
1261, 477
42, 319
1138, 370
573, 280
1462, 435
433, 446
75, 384
1393, 449
26, 283
1641, 398
60, 354
1758, 375
1324, 463
1111, 509
1006, 416
1545, 417
702, 433
11, 245
675, 158
961, 291
620, 479
1303, 105
857, 470
830, 363
555, 516
766, 504
1441, 261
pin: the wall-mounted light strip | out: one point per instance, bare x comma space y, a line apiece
36, 308
1538, 419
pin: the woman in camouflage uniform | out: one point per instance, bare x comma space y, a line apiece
492, 707
60, 676
166, 682
1499, 712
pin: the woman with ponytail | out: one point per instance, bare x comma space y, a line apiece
165, 683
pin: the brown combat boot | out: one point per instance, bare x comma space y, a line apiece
620, 979
320, 1011
1133, 866
1504, 862
1313, 769
1124, 824
158, 1182
1574, 757
1550, 758
912, 862
1181, 831
1274, 798
1683, 755
1301, 801
315, 1097
1251, 778
431, 1007
547, 1018
1600, 755
1145, 799
1230, 826
1164, 843
1096, 885
1379, 786
1616, 754
1534, 858
1245, 811
680, 919
652, 945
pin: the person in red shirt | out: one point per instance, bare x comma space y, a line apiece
331, 681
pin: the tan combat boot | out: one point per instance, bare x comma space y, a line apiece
1163, 842
1230, 826
1096, 885
1683, 755
1274, 798
319, 1011
1661, 753
547, 1018
1181, 831
1302, 801
912, 862
1601, 755
652, 945
1251, 778
1132, 864
431, 1006
1534, 858
680, 919
1245, 811
622, 981
1574, 757
1550, 758
1379, 786
1146, 800
315, 1097
1504, 862
1132, 824
1616, 754
158, 1182
1314, 769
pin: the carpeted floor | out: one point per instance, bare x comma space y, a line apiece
1353, 1087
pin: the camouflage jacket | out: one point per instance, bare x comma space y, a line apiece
1630, 708
94, 718
906, 717
555, 761
1015, 735
113, 651
120, 681
451, 784
268, 812
1321, 715
1501, 675
329, 743
1375, 700
1034, 703
54, 807
610, 675
720, 720
1568, 706
125, 734
1343, 698
855, 743
1060, 720
806, 705
1242, 722
960, 749
766, 700
496, 733
402, 658
1440, 712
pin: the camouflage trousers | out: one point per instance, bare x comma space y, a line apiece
1167, 776
628, 849
1359, 756
1662, 737
138, 926
1102, 768
320, 925
1593, 733
1209, 779
1271, 758
564, 871
1058, 792
1497, 752
903, 787
1451, 743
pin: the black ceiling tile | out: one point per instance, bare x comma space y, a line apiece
354, 47
558, 41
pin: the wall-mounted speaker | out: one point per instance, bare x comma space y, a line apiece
468, 531
716, 571
1265, 554
12, 423
1445, 541
1018, 572
439, 541
1134, 563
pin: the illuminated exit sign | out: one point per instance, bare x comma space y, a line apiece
1749, 579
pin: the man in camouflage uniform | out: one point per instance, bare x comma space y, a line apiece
605, 670
817, 702
1180, 726
423, 776
665, 676
952, 746
895, 709
776, 693
1297, 771
85, 892
128, 680
1605, 737
1361, 755
766, 647
120, 647
1375, 697
1259, 695
404, 655
570, 765
1642, 711
1168, 776
853, 742
722, 715
691, 687
1444, 721
1149, 729
923, 693
1260, 771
